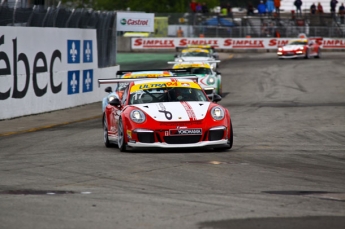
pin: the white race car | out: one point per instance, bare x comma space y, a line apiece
197, 54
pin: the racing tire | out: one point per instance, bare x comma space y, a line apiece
105, 133
230, 141
122, 144
220, 89
318, 54
307, 55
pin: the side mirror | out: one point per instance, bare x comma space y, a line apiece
218, 73
175, 55
216, 98
115, 102
108, 89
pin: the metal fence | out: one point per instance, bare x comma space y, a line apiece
20, 13
62, 17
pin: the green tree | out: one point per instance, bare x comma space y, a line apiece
148, 6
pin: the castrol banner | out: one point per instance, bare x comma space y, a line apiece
138, 22
228, 43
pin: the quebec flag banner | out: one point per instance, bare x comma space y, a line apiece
73, 82
73, 51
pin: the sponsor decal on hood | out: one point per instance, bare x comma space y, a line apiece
175, 111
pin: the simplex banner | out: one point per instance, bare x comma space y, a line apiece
138, 22
228, 43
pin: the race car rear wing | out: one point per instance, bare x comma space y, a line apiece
122, 72
128, 80
179, 48
205, 61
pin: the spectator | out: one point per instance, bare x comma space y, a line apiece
298, 4
319, 8
204, 8
269, 7
192, 6
264, 29
277, 34
313, 8
198, 8
262, 8
342, 13
250, 9
271, 28
229, 8
179, 32
333, 4
277, 6
224, 11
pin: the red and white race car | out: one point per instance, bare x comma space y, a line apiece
165, 113
300, 48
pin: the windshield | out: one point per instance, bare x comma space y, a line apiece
201, 71
297, 43
167, 94
195, 54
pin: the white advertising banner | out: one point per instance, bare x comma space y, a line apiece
45, 69
138, 22
227, 43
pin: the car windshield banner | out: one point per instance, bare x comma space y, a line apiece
138, 22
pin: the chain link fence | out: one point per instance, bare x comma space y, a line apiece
58, 16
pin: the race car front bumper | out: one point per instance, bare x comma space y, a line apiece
144, 138
218, 143
291, 55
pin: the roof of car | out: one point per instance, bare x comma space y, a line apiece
299, 40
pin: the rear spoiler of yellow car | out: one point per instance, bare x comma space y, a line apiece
122, 72
128, 80
179, 48
205, 61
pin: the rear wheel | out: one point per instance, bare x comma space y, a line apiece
105, 133
121, 137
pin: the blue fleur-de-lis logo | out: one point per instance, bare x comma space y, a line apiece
73, 82
87, 47
73, 51
87, 80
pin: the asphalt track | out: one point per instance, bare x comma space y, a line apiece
285, 170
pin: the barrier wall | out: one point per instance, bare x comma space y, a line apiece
227, 43
46, 69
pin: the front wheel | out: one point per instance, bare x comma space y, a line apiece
122, 144
105, 133
318, 54
307, 55
230, 141
220, 89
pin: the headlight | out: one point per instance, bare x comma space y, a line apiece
137, 116
217, 113
211, 80
280, 49
179, 60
